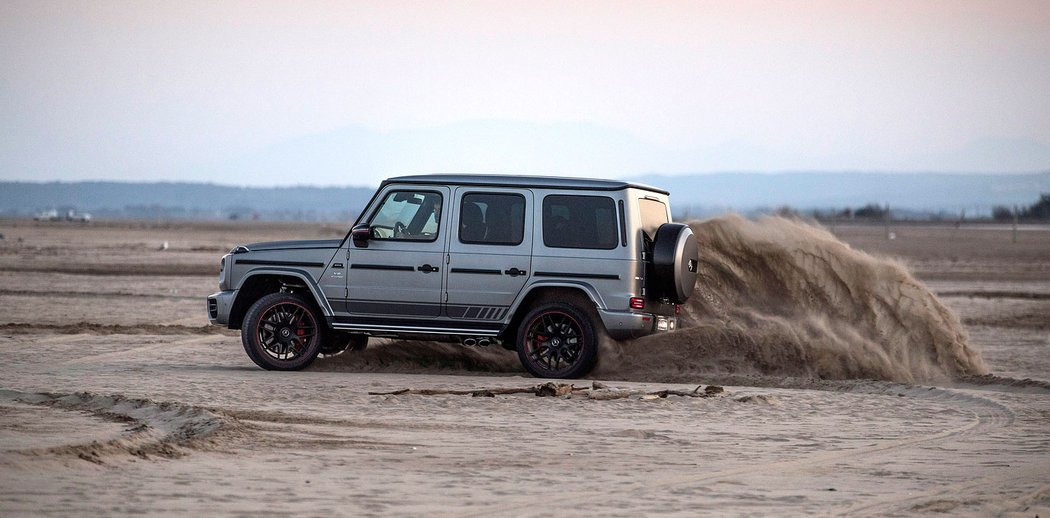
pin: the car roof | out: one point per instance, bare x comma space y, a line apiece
544, 182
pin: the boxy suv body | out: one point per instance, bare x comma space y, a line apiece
547, 266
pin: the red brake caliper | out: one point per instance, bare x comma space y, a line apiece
300, 332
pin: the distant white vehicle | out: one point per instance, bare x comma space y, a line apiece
70, 215
47, 215
73, 215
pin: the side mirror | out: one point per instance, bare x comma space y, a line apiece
360, 235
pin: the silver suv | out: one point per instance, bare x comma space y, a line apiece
547, 266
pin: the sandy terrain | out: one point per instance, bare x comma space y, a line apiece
116, 398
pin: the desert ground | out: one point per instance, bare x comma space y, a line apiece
117, 398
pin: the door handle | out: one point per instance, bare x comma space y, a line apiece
514, 272
426, 268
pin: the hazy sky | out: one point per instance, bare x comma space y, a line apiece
202, 91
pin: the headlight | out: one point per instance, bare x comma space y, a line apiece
223, 273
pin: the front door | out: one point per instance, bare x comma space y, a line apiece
490, 252
398, 275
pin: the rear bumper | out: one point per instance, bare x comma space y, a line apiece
219, 306
623, 325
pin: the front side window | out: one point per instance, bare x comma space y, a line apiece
579, 222
492, 219
407, 216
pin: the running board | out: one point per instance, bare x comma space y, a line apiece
415, 330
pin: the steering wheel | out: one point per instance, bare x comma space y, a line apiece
399, 229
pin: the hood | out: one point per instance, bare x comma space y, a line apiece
289, 245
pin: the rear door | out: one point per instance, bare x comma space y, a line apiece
398, 276
490, 251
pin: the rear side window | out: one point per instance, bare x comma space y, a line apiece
492, 219
579, 222
654, 214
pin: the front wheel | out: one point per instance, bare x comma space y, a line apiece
557, 340
281, 332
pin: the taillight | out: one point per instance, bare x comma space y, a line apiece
677, 309
637, 303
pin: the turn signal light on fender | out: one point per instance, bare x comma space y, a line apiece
637, 303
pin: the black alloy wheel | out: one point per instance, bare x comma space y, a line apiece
557, 340
282, 332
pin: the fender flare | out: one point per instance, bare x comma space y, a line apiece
315, 290
592, 293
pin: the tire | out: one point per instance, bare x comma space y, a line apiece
676, 259
557, 340
338, 343
282, 332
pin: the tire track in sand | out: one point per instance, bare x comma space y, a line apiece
915, 502
987, 415
91, 328
157, 429
137, 350
97, 294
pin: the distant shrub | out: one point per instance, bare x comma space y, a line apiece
786, 211
1002, 213
1039, 209
871, 211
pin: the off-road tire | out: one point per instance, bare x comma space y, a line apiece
558, 340
265, 327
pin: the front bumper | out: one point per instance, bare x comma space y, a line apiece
624, 325
219, 306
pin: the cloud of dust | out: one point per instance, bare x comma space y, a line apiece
781, 297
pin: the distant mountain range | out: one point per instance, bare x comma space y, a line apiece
362, 156
698, 193
926, 192
184, 200
357, 155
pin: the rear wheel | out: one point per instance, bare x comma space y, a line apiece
282, 331
557, 340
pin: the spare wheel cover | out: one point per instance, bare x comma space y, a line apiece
675, 262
